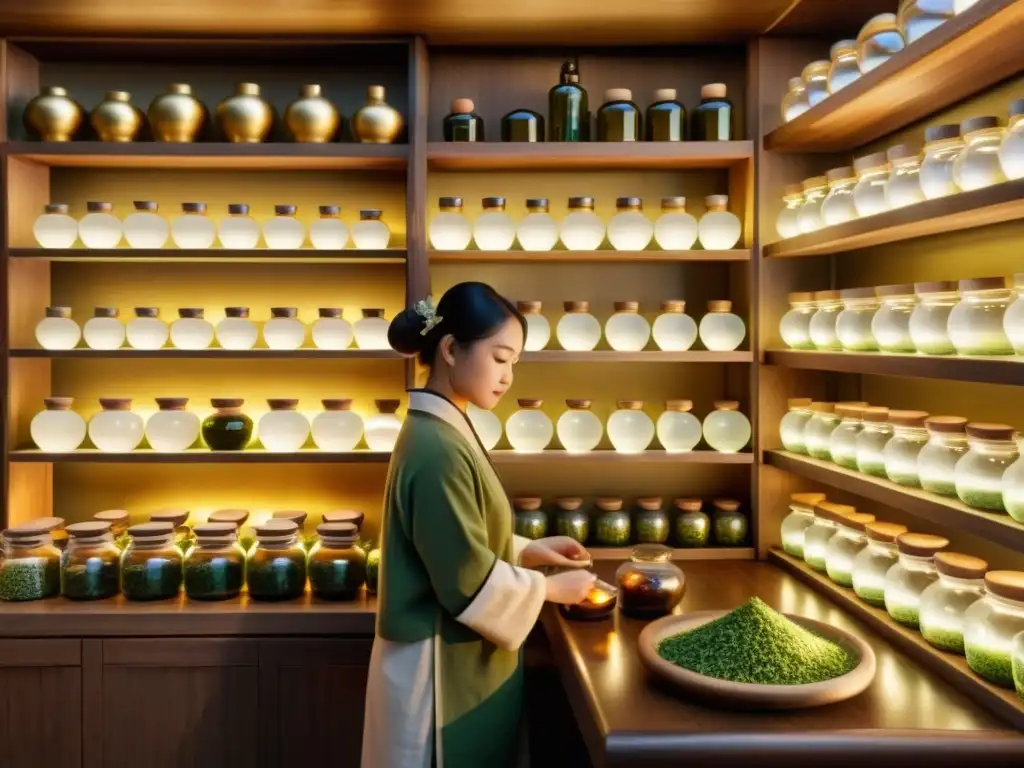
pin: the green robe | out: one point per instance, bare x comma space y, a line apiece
446, 686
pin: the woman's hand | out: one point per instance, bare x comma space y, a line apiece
554, 550
570, 587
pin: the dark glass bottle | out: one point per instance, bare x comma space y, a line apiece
619, 119
227, 429
463, 124
666, 117
568, 113
522, 125
713, 118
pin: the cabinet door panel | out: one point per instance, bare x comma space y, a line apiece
40, 716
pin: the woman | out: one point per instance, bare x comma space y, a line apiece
456, 596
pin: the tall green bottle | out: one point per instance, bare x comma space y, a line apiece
568, 116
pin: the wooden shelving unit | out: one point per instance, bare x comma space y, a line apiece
211, 256
610, 356
208, 354
591, 156
1006, 369
678, 554
585, 257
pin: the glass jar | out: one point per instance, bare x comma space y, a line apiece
904, 185
871, 441
462, 123
182, 536
793, 424
630, 430
494, 229
976, 323
854, 323
692, 524
675, 229
869, 192
284, 231
236, 331
799, 519
57, 330
577, 329
571, 519
328, 233
1011, 151
990, 625
1013, 486
818, 432
978, 165
718, 229
729, 525
909, 437
842, 443
283, 429
146, 330
961, 583
538, 230
913, 572
879, 39
58, 428
613, 526
652, 526
849, 540
173, 428
979, 472
275, 567
383, 427
838, 207
30, 566
795, 102
284, 330
191, 330
629, 229
100, 228
531, 521
337, 428
579, 430
371, 331
666, 117
193, 229
116, 429
146, 228
118, 520
538, 329
916, 18
627, 330
678, 430
650, 585
529, 429
714, 116
936, 463
1017, 664
619, 119
890, 325
337, 565
818, 534
103, 330
1013, 319
942, 144
929, 321
151, 566
795, 327
331, 330
844, 69
725, 428
227, 428
720, 329
239, 231
787, 222
582, 229
808, 218
370, 233
874, 561
823, 321
215, 566
91, 564
673, 329
54, 228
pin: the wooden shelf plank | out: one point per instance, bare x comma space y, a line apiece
951, 513
610, 356
965, 55
978, 208
703, 553
212, 255
597, 457
209, 354
950, 667
515, 156
585, 257
1005, 369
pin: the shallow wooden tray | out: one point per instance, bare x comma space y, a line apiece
749, 695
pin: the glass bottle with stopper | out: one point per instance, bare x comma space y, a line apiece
462, 124
568, 113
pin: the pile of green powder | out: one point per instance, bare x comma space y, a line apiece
755, 644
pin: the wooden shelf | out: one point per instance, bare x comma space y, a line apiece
979, 208
950, 667
591, 156
212, 256
601, 456
210, 354
610, 356
703, 553
584, 257
1004, 369
950, 513
200, 456
965, 55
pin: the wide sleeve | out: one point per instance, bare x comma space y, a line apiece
498, 600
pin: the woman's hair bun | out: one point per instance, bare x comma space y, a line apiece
405, 334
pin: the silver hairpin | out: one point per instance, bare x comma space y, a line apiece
428, 312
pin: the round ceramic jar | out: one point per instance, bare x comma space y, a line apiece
284, 330
146, 228
227, 428
929, 321
909, 437
100, 228
582, 229
537, 230
193, 229
328, 233
630, 430
57, 330
799, 519
577, 329
854, 323
371, 330
627, 330
692, 525
55, 228
936, 463
538, 329
450, 229
913, 572
494, 230
283, 429
874, 561
116, 429
718, 229
579, 430
236, 331
793, 424
191, 330
976, 323
675, 229
725, 428
337, 428
58, 428
629, 229
239, 230
487, 426
721, 330
103, 330
370, 233
331, 330
961, 584
382, 428
787, 222
173, 428
529, 429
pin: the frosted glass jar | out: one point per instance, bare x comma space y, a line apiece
57, 330
331, 330
909, 436
629, 229
842, 548
942, 145
55, 228
100, 228
337, 428
979, 472
913, 572
960, 585
936, 463
877, 41
103, 330
838, 207
193, 229
976, 323
787, 222
283, 429
725, 428
239, 231
978, 165
494, 229
904, 185
871, 441
146, 330
808, 218
874, 561
191, 330
799, 519
538, 329
370, 233
675, 229
721, 330
529, 429
57, 429
842, 443
823, 321
630, 430
1013, 320
371, 331
818, 432
538, 230
328, 233
236, 330
579, 430
795, 102
793, 424
869, 192
718, 229
1011, 151
486, 425
284, 231
673, 329
844, 69
627, 330
116, 429
815, 77
991, 624
891, 324
173, 428
929, 322
854, 323
1013, 486
916, 18
582, 229
450, 229
818, 534
678, 430
284, 330
795, 326
383, 427
146, 228
577, 329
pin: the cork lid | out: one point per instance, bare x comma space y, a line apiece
581, 203
689, 505
95, 206
713, 91
902, 289
172, 403
798, 402
285, 210
569, 503
56, 208
608, 503
236, 517
876, 413
370, 214
329, 312
793, 190
942, 132
857, 293
32, 528
842, 47
921, 544
884, 532
576, 306
806, 501
495, 202
282, 403
89, 529
215, 530
337, 404
1007, 584
352, 516
58, 403
908, 418
800, 297
950, 425
821, 407
387, 406
630, 405
175, 517
817, 68
720, 305
527, 503
629, 204
147, 311
673, 203
220, 403
64, 312
983, 284
284, 311
238, 209
116, 403
679, 405
529, 307
193, 207
462, 106
836, 513
151, 530
850, 410
372, 312
726, 405
984, 431
665, 94
579, 405
858, 521
339, 533
899, 152
675, 306
726, 505
870, 162
716, 202
650, 503
538, 204
935, 286
112, 516
627, 306
827, 295
618, 94
275, 528
297, 516
960, 566
529, 403
981, 123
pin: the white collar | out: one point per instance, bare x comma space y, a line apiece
441, 407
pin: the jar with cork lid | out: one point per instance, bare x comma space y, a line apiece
284, 330
842, 443
337, 427
173, 428
819, 428
227, 428
714, 118
991, 624
183, 536
371, 330
795, 102
809, 218
725, 428
1011, 151
531, 521
666, 117
371, 232
629, 229
795, 326
878, 40
151, 566
651, 520
977, 166
283, 429
942, 144
215, 566
57, 330
913, 572
328, 232
463, 123
823, 322
891, 323
577, 329
872, 177
909, 436
57, 429
619, 119
331, 330
719, 229
820, 532
193, 228
874, 561
104, 330
960, 585
100, 228
904, 185
522, 125
582, 229
116, 429
871, 441
276, 565
673, 329
729, 525
976, 322
842, 548
1013, 486
538, 329
978, 475
382, 428
650, 584
450, 229
843, 69
838, 207
191, 330
236, 330
30, 566
799, 519
337, 565
487, 426
537, 230
787, 222
929, 320
579, 429
571, 519
529, 429
678, 430
54, 228
853, 324
494, 230
613, 526
675, 229
936, 462
692, 525
630, 430
794, 423
627, 330
721, 330
91, 569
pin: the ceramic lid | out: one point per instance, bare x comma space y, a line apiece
146, 205
981, 123
630, 405
496, 202
352, 516
58, 312
569, 503
105, 312
726, 405
720, 305
147, 312
275, 528
650, 503
151, 530
99, 207
875, 413
285, 210
216, 531
538, 204
339, 533
238, 209
329, 211
581, 203
56, 208
578, 404
726, 505
908, 418
297, 516
193, 207
282, 403
334, 312
462, 106
372, 312
689, 505
529, 307
627, 306
89, 529
629, 203
284, 311
576, 306
942, 132
870, 162
676, 306
195, 313
527, 503
116, 403
665, 94
449, 202
387, 406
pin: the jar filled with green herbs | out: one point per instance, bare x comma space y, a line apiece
215, 566
943, 604
276, 564
849, 540
692, 525
613, 524
119, 522
571, 519
799, 519
652, 524
30, 567
337, 566
184, 538
729, 524
151, 565
531, 520
978, 474
991, 624
92, 562
913, 573
818, 533
874, 561
871, 441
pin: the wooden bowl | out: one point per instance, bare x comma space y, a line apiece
750, 695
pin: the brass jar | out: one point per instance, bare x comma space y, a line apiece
245, 118
376, 122
176, 116
116, 118
312, 118
53, 115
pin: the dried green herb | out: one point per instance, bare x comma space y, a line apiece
1018, 675
372, 570
816, 562
156, 579
905, 615
941, 487
532, 525
278, 577
92, 580
651, 527
944, 639
613, 529
909, 479
991, 500
730, 528
220, 578
994, 666
30, 578
871, 595
873, 467
338, 579
574, 524
693, 530
842, 578
793, 549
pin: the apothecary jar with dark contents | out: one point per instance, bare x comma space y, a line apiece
91, 563
571, 519
275, 567
613, 523
215, 566
650, 585
692, 524
531, 520
652, 525
30, 566
337, 565
151, 566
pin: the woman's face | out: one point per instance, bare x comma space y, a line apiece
482, 372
